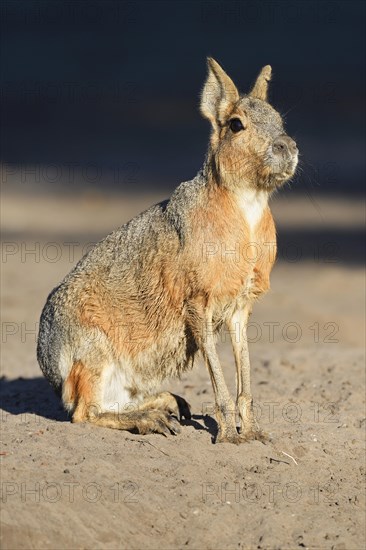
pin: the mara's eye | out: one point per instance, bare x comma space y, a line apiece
236, 125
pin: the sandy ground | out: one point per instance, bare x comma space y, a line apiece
78, 486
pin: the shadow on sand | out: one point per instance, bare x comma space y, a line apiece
24, 396
31, 396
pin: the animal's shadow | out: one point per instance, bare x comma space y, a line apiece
24, 396
209, 424
31, 396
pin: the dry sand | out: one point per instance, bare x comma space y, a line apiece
78, 486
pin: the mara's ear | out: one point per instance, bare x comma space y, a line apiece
219, 94
260, 88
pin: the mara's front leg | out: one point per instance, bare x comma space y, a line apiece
249, 428
225, 407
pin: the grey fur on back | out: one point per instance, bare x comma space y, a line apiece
124, 252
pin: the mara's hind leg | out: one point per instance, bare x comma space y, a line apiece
168, 402
83, 394
142, 422
153, 415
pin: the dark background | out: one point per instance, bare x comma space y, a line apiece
110, 89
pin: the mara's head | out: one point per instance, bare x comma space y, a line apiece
249, 146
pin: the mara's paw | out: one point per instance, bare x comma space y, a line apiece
254, 434
229, 437
170, 403
155, 421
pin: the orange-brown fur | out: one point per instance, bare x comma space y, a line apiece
266, 242
79, 390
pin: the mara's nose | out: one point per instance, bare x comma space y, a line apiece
284, 145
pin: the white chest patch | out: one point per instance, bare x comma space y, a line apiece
252, 203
